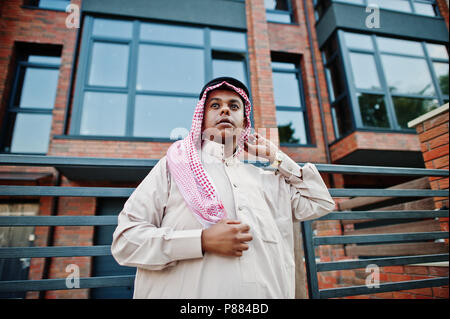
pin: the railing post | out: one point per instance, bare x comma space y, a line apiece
310, 260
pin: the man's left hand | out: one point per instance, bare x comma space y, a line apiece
260, 146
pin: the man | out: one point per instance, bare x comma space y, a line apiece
203, 224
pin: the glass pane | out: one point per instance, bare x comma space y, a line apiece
112, 28
109, 64
438, 51
337, 78
31, 133
44, 59
104, 114
284, 66
407, 75
330, 84
278, 17
441, 70
342, 118
228, 39
358, 41
170, 69
424, 9
399, 46
39, 88
286, 89
171, 33
233, 68
373, 110
364, 71
408, 109
276, 4
350, 1
396, 5
152, 113
54, 4
291, 127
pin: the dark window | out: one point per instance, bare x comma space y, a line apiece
59, 5
135, 75
291, 109
29, 115
337, 90
278, 11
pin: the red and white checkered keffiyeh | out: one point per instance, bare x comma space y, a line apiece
185, 166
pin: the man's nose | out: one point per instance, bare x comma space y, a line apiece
225, 110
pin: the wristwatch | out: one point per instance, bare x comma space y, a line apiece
278, 159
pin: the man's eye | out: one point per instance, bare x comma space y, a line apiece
214, 105
234, 106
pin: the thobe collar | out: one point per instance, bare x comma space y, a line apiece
217, 150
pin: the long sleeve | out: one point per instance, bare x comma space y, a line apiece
310, 198
139, 240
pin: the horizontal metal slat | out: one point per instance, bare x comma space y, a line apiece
55, 251
60, 284
384, 287
60, 161
65, 191
380, 262
58, 220
354, 192
126, 192
355, 239
384, 214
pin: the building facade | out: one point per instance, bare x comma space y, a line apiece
333, 81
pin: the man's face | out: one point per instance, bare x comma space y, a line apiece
224, 115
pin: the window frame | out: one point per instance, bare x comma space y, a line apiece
302, 109
288, 12
317, 3
384, 89
82, 86
12, 109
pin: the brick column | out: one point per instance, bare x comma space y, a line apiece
433, 128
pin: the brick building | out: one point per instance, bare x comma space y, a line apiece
338, 78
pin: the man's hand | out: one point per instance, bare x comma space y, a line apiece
227, 237
260, 146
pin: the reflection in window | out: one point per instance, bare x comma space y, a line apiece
38, 88
171, 33
407, 75
103, 114
441, 70
142, 79
408, 109
230, 67
364, 71
29, 114
109, 64
150, 116
373, 110
182, 69
278, 11
289, 105
31, 133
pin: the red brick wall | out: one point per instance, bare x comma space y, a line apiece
434, 139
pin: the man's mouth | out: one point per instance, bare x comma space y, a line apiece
225, 121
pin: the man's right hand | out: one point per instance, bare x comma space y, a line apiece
227, 238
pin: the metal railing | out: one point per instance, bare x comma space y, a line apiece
310, 241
